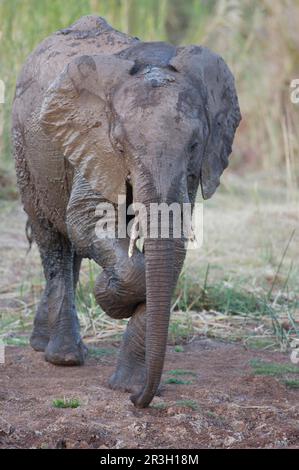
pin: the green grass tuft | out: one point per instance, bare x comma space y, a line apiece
66, 403
159, 406
178, 349
188, 404
292, 383
16, 341
100, 352
178, 372
175, 380
179, 331
260, 343
272, 368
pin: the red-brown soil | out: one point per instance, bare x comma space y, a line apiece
235, 408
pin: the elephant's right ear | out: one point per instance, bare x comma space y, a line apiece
76, 116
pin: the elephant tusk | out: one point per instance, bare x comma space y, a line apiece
140, 244
191, 237
133, 237
189, 232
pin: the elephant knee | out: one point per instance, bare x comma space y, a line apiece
119, 291
79, 240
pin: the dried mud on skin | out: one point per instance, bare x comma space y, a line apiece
222, 405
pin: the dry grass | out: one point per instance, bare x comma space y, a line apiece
260, 42
242, 285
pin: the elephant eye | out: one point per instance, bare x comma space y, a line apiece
220, 119
194, 146
120, 148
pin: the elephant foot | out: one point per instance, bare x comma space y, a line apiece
128, 378
39, 341
66, 352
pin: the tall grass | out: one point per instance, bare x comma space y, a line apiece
258, 38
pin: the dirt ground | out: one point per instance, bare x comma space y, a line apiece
221, 402
222, 405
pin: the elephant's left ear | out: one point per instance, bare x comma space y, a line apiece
208, 72
76, 115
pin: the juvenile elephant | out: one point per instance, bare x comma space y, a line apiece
98, 114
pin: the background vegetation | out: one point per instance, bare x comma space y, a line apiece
248, 266
258, 38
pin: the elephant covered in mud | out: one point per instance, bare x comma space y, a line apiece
98, 115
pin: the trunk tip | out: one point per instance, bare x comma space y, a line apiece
141, 399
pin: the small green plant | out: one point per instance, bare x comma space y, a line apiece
159, 406
260, 343
179, 372
100, 352
178, 348
175, 380
66, 403
292, 383
188, 404
180, 331
16, 341
235, 300
272, 368
230, 300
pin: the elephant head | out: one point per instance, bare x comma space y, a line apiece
165, 125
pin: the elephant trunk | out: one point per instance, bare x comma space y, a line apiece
159, 267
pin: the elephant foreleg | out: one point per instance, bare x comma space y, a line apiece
131, 371
41, 331
56, 326
121, 285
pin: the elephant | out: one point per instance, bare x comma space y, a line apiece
99, 114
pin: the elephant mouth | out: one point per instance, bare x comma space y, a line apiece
129, 199
152, 220
135, 239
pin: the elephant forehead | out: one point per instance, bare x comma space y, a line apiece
147, 93
157, 130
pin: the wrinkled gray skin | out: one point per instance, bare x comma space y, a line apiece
99, 114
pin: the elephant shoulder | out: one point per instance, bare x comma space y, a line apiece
97, 35
90, 35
